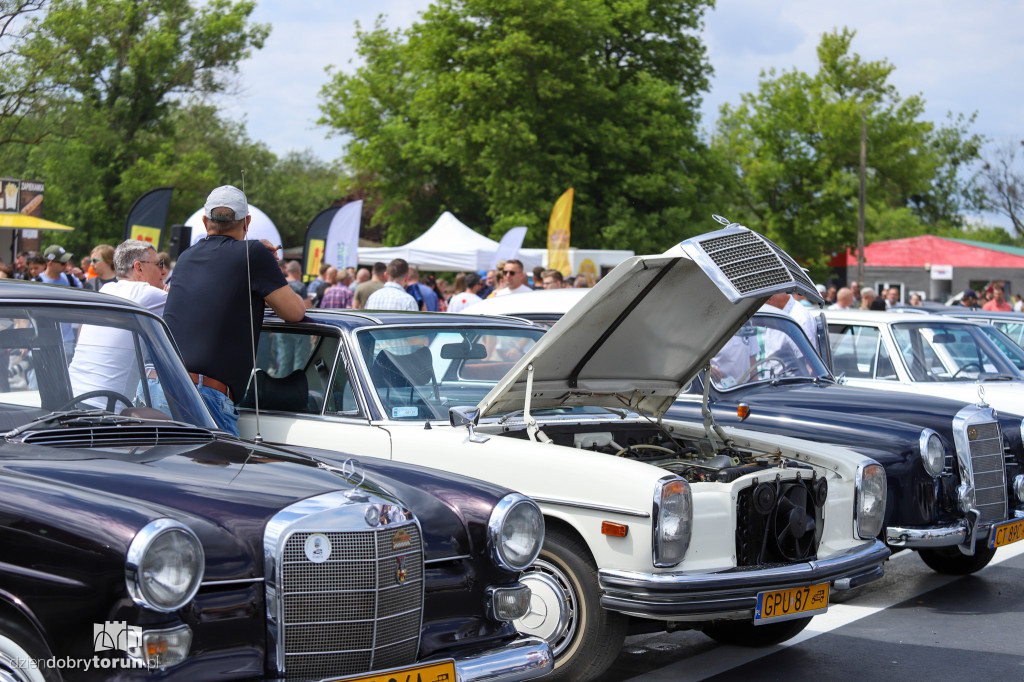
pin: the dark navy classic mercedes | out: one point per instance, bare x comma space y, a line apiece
138, 542
954, 476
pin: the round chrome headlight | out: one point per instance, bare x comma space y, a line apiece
164, 565
933, 452
515, 532
1018, 487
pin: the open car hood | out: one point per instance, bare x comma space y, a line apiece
650, 325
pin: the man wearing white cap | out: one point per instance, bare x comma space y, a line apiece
215, 303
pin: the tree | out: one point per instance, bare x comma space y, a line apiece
492, 110
1002, 184
795, 147
115, 73
22, 98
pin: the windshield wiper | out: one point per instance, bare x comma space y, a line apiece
61, 417
505, 417
1001, 377
793, 380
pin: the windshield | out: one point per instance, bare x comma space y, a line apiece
766, 348
936, 351
1005, 344
75, 358
419, 372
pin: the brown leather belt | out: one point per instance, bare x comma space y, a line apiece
199, 379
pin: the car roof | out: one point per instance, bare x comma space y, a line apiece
350, 319
541, 301
14, 290
887, 317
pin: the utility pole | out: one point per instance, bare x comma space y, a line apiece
863, 182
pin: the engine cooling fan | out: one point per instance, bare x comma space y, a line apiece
794, 522
780, 521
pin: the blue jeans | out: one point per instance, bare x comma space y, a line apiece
156, 395
221, 409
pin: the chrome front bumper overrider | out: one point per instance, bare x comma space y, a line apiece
926, 537
683, 596
523, 659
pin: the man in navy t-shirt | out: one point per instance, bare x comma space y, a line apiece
215, 303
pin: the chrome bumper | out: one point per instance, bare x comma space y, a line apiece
523, 659
923, 538
958, 533
731, 594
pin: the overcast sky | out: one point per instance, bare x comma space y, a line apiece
960, 56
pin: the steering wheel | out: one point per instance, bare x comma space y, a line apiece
113, 398
976, 365
771, 362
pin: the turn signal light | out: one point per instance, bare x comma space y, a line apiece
742, 410
616, 530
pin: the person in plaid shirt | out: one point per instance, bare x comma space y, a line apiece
339, 295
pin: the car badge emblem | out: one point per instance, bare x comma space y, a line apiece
401, 573
972, 433
401, 539
318, 548
981, 394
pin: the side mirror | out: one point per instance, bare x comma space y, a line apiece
464, 416
468, 417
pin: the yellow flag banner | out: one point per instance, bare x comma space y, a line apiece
558, 234
316, 257
146, 234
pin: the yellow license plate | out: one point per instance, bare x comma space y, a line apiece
437, 671
795, 602
1006, 533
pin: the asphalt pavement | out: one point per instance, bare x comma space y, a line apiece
913, 624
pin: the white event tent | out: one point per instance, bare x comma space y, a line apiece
448, 245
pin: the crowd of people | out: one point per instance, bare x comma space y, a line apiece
852, 296
215, 332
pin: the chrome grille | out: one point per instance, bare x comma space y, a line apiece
986, 450
748, 262
351, 613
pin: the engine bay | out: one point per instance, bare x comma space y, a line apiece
694, 459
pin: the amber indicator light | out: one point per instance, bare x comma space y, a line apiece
616, 530
743, 410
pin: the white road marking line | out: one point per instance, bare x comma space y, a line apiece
724, 658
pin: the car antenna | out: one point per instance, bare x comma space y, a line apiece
258, 438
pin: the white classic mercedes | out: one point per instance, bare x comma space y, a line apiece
688, 525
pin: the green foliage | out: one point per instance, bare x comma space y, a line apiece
115, 73
492, 109
292, 191
795, 145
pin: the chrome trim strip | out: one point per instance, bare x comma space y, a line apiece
592, 507
459, 557
240, 581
